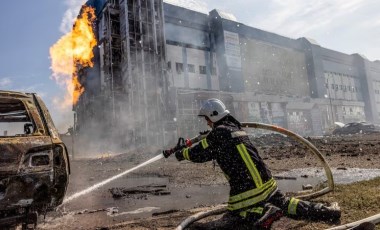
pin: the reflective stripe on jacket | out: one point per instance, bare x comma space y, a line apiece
250, 180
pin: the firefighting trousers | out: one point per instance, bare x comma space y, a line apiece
299, 209
263, 216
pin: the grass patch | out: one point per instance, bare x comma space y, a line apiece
358, 200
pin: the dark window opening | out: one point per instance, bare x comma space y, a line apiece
179, 67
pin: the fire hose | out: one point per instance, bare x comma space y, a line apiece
375, 219
309, 145
222, 208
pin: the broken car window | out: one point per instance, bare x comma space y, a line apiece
14, 119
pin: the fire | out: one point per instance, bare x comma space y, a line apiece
73, 51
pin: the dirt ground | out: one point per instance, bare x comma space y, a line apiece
162, 194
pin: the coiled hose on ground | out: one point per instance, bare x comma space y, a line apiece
222, 208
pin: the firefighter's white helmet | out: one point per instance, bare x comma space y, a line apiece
214, 109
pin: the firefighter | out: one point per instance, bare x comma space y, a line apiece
255, 202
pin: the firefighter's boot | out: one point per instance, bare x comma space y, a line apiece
326, 213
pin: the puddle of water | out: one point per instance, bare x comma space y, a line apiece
354, 174
296, 185
316, 176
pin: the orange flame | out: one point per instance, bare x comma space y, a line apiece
73, 51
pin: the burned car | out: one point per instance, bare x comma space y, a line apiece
34, 163
356, 127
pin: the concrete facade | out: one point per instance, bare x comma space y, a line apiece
259, 75
294, 83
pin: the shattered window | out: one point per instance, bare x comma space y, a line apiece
14, 118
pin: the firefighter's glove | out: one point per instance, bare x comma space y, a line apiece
180, 145
167, 153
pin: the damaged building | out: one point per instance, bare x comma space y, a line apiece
156, 63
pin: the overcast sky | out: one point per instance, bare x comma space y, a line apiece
30, 28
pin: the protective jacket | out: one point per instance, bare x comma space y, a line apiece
251, 183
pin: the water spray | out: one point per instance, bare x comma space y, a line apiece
178, 147
101, 184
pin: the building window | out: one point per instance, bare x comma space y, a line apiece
179, 67
191, 68
202, 69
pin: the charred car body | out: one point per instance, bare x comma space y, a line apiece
356, 127
34, 163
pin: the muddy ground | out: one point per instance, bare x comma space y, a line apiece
161, 195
